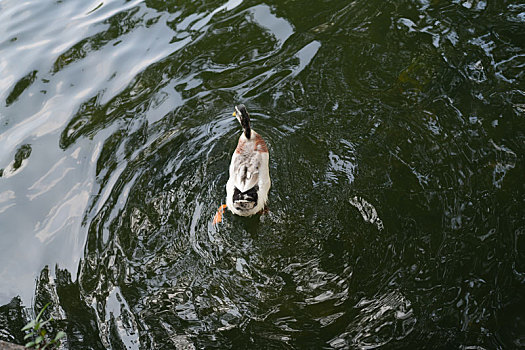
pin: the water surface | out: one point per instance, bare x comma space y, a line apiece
396, 135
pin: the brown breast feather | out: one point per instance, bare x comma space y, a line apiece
260, 145
240, 146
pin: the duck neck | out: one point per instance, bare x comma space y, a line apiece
246, 126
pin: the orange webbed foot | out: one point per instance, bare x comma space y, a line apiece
218, 215
265, 210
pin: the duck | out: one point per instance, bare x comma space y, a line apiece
249, 182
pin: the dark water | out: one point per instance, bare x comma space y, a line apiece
397, 138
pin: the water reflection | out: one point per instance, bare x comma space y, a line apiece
378, 322
395, 132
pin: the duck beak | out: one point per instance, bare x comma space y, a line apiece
234, 114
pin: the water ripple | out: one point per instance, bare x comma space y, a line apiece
396, 138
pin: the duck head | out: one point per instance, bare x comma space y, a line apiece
244, 118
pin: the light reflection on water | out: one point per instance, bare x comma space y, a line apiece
396, 139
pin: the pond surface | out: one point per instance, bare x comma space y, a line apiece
396, 132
